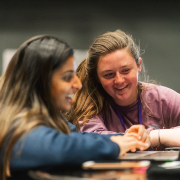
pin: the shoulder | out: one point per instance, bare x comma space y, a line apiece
39, 133
157, 91
92, 124
72, 127
97, 118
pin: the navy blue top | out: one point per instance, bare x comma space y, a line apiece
46, 147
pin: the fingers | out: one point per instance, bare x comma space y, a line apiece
142, 146
133, 128
132, 135
130, 142
132, 145
147, 140
139, 130
138, 145
144, 135
136, 129
133, 150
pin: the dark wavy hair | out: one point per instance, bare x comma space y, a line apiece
25, 99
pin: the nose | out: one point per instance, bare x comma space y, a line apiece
77, 83
119, 78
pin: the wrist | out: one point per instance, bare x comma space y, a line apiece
154, 138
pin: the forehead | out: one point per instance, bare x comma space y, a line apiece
68, 65
117, 58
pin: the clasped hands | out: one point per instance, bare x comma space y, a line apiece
136, 137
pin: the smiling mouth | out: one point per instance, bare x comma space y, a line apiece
120, 88
70, 95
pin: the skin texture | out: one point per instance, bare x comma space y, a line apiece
168, 137
118, 75
129, 142
64, 84
141, 132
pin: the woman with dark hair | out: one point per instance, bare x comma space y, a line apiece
36, 89
116, 93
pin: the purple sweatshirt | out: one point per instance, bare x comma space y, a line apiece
162, 108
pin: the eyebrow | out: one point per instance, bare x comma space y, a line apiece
69, 71
112, 70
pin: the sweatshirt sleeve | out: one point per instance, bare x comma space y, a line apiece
46, 147
171, 108
96, 125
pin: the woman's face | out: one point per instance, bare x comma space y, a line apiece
64, 84
118, 75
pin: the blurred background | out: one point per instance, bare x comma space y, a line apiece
155, 25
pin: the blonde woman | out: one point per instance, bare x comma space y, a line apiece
116, 95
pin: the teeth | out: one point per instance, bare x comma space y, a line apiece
70, 95
121, 87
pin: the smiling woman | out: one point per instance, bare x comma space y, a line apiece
36, 88
113, 98
64, 84
118, 74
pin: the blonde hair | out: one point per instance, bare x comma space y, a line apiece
92, 98
25, 100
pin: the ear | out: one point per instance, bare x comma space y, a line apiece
139, 65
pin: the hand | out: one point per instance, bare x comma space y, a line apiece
141, 133
129, 142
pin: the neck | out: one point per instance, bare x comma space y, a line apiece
129, 101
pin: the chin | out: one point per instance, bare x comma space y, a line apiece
65, 109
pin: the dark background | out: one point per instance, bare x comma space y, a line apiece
155, 25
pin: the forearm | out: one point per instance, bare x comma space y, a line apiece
97, 126
167, 137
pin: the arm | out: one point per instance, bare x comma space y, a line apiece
166, 103
167, 137
96, 125
171, 113
72, 127
45, 146
171, 108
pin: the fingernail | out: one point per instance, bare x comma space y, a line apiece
139, 137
